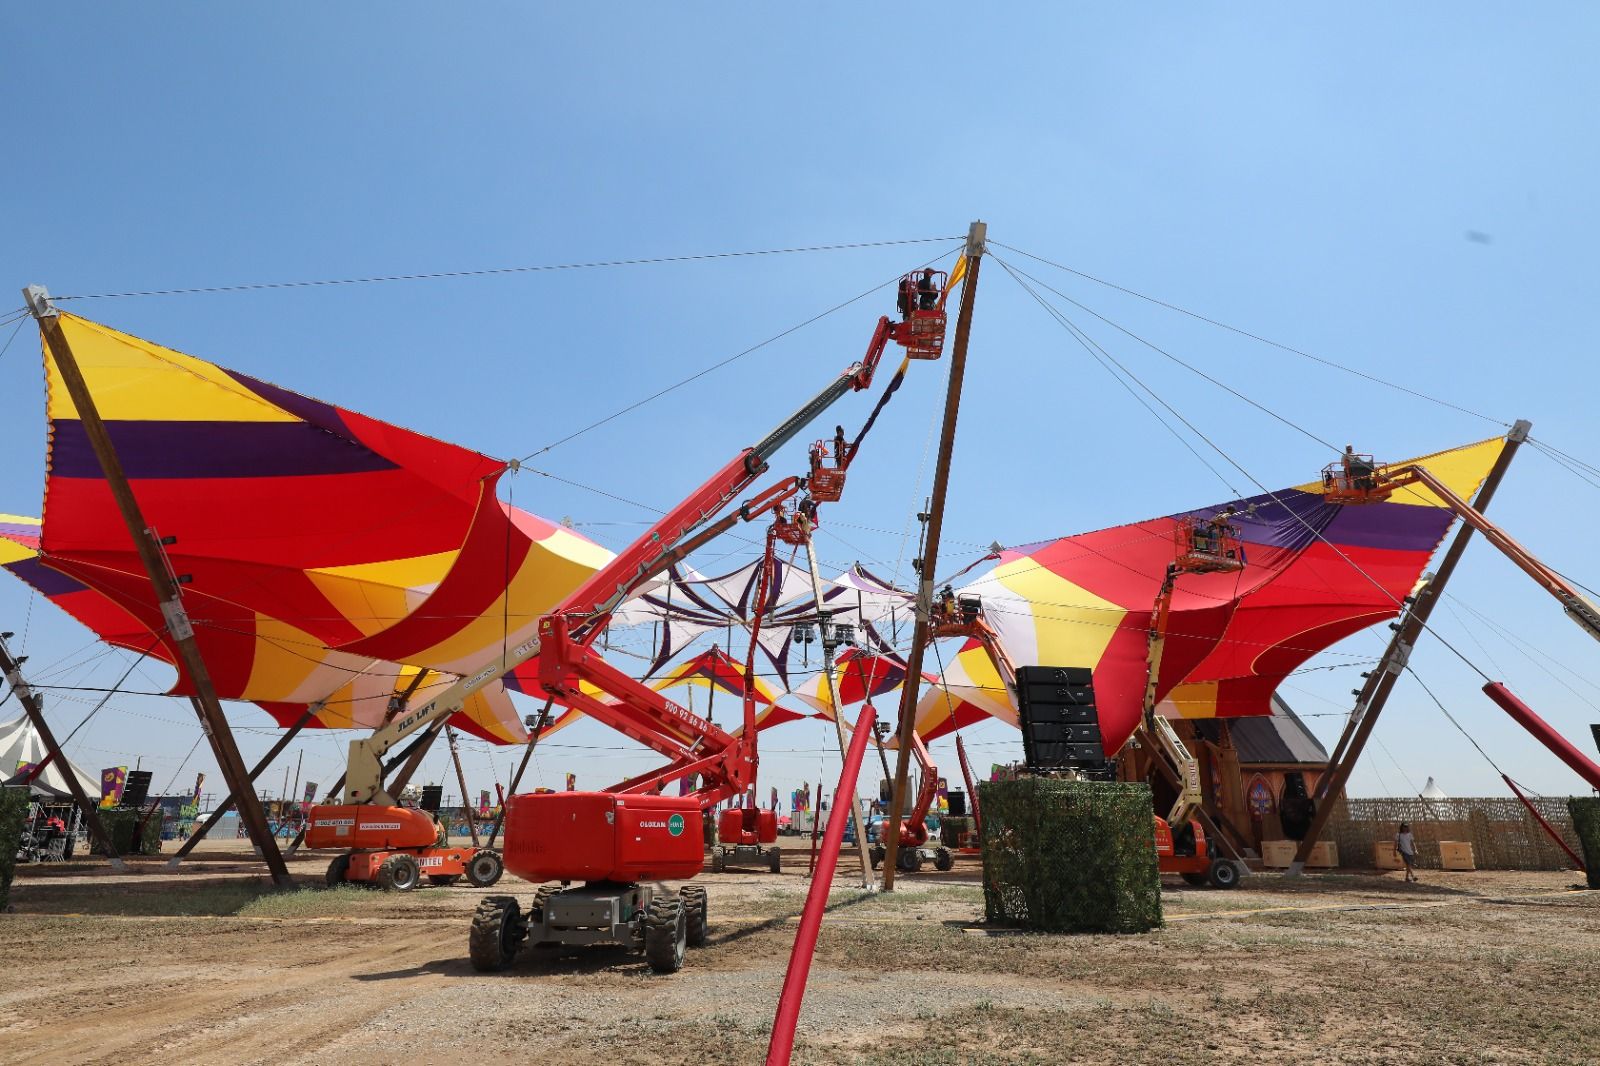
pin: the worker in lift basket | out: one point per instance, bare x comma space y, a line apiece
906, 299
927, 292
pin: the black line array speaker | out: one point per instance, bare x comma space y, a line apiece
432, 798
136, 789
1060, 723
958, 803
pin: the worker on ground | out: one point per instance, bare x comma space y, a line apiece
1406, 845
927, 291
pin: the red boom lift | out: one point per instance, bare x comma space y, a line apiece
619, 842
393, 846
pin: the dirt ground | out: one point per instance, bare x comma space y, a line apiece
206, 965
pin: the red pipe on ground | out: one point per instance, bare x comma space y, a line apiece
781, 1046
1542, 732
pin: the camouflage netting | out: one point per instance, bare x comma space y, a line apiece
13, 815
1070, 856
120, 822
1586, 821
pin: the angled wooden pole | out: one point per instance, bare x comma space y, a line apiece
976, 235
527, 753
461, 779
163, 584
227, 801
1375, 693
33, 707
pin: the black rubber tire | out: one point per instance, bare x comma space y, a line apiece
485, 868
878, 854
399, 873
338, 870
775, 860
1198, 880
443, 879
1223, 874
909, 860
540, 898
696, 924
497, 934
666, 934
719, 861
943, 859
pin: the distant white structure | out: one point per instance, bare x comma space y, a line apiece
1431, 791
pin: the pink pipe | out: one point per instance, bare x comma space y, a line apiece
781, 1047
1541, 730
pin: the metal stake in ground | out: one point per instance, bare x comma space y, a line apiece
163, 584
33, 707
1376, 691
909, 692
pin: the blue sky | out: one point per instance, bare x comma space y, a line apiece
1407, 192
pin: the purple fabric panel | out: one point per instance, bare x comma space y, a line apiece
316, 412
212, 450
51, 583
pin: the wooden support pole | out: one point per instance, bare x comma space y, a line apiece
418, 751
976, 236
1375, 693
162, 583
527, 754
227, 801
33, 707
461, 779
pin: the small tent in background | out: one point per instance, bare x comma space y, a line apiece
20, 747
1431, 791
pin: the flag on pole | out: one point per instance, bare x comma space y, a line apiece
483, 801
774, 797
112, 778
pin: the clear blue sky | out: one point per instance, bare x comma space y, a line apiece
1407, 192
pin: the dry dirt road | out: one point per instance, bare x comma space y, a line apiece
204, 965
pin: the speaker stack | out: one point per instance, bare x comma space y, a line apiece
432, 798
1060, 722
137, 788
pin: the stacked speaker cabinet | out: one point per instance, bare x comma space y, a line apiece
136, 789
1060, 722
432, 798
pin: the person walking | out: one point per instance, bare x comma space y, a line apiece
1406, 845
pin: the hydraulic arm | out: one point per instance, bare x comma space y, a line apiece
565, 634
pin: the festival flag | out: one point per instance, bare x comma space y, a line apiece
686, 784
112, 778
942, 792
572, 782
311, 793
199, 779
483, 801
774, 797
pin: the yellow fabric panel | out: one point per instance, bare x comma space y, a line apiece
1461, 469
568, 545
1196, 699
292, 666
118, 369
1071, 624
374, 596
539, 584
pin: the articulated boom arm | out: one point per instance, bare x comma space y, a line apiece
567, 631
914, 829
1577, 608
1156, 727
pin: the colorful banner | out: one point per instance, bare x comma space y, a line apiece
311, 793
686, 784
199, 779
572, 782
483, 801
774, 797
112, 778
942, 796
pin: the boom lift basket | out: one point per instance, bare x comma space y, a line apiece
1208, 547
1355, 478
921, 331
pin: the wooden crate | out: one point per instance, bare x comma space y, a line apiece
1456, 855
1323, 853
1385, 856
1278, 854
